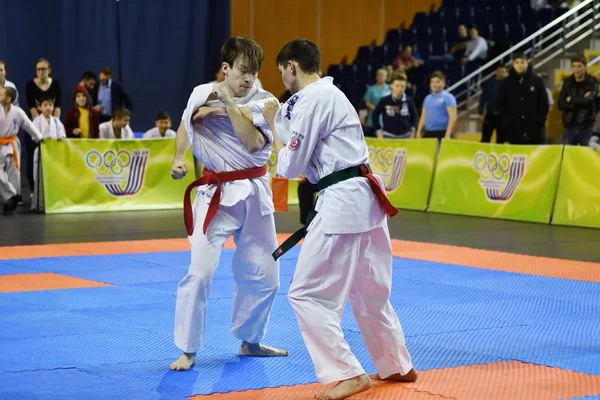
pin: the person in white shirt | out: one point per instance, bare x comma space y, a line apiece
477, 48
11, 119
347, 250
51, 129
118, 126
162, 128
6, 83
229, 136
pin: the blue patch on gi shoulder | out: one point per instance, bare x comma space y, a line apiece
290, 106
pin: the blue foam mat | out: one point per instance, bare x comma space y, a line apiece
116, 342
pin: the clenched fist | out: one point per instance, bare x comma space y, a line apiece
223, 92
269, 111
178, 170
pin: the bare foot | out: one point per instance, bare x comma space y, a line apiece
346, 388
260, 350
410, 376
184, 362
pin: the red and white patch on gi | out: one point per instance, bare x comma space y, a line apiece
294, 143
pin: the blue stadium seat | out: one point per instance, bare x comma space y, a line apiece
363, 54
392, 38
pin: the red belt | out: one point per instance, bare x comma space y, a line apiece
215, 178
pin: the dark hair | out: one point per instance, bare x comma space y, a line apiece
579, 59
245, 49
121, 112
438, 74
10, 92
501, 66
47, 98
162, 115
43, 60
520, 56
398, 77
106, 71
87, 75
304, 52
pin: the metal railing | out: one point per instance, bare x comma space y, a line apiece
543, 46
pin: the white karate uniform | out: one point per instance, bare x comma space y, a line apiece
246, 212
347, 252
107, 132
50, 129
10, 177
155, 134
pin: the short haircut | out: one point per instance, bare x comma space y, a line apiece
398, 77
246, 49
162, 115
579, 59
304, 52
87, 75
439, 75
520, 56
382, 71
107, 71
121, 113
45, 99
10, 92
501, 66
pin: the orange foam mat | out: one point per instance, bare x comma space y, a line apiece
508, 262
510, 380
43, 281
543, 266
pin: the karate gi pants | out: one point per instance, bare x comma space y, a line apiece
10, 176
332, 269
255, 273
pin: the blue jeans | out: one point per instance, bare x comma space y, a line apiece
575, 135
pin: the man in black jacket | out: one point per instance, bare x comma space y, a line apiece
577, 101
108, 95
523, 104
399, 115
488, 108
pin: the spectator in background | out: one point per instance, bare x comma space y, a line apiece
88, 83
399, 115
438, 116
6, 83
40, 87
407, 60
81, 120
118, 126
477, 48
162, 128
577, 101
51, 128
459, 48
375, 93
488, 108
523, 104
109, 95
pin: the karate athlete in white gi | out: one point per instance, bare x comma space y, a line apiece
229, 136
347, 251
11, 119
51, 128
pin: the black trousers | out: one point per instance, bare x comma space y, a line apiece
492, 123
306, 199
439, 135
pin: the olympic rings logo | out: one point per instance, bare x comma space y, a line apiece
110, 161
491, 166
383, 158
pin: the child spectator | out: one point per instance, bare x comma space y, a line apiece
51, 129
118, 126
162, 128
82, 121
399, 115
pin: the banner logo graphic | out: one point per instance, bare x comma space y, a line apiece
120, 172
389, 164
499, 175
